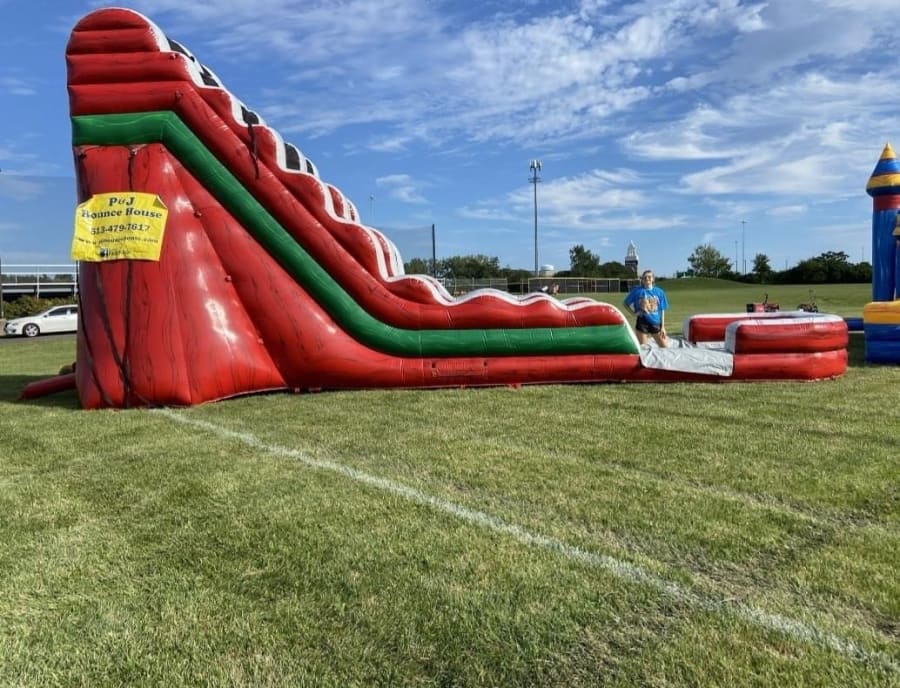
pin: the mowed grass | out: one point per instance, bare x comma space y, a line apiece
571, 535
690, 296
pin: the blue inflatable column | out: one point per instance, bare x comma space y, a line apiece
884, 188
897, 259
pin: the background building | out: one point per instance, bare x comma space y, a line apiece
631, 258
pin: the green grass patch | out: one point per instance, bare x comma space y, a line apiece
702, 295
622, 535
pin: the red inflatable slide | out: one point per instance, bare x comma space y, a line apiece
268, 280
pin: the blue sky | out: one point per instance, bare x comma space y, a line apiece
753, 126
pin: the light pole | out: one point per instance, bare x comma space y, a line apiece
735, 255
372, 209
1, 287
743, 246
535, 167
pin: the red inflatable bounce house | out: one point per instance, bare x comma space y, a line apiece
265, 278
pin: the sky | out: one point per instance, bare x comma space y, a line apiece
750, 126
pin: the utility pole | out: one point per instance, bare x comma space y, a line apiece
1, 288
535, 167
433, 253
744, 245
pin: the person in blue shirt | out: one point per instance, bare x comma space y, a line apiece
649, 303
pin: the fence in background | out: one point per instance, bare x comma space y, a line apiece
583, 285
462, 285
38, 280
61, 281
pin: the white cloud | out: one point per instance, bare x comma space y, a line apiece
655, 114
16, 86
787, 210
710, 238
401, 187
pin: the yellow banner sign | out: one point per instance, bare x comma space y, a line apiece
117, 226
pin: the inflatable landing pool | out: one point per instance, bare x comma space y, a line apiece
267, 279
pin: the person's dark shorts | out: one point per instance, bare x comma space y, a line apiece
645, 326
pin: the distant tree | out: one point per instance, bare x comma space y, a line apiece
583, 262
828, 267
470, 266
30, 305
831, 267
516, 279
615, 269
707, 261
836, 265
515, 274
417, 266
861, 272
762, 268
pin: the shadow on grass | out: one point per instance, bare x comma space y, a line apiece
11, 387
856, 350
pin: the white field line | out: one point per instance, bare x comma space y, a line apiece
792, 628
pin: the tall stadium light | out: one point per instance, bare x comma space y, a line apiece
371, 210
2, 314
433, 253
744, 245
535, 167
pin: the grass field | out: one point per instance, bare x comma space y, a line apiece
690, 296
572, 535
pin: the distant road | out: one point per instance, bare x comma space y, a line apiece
4, 339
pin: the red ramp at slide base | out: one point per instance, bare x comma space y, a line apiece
267, 278
51, 385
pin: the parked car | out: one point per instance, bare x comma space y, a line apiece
56, 319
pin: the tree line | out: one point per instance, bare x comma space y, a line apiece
474, 266
832, 267
583, 263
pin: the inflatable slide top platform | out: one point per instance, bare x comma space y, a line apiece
267, 279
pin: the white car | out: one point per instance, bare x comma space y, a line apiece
56, 319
